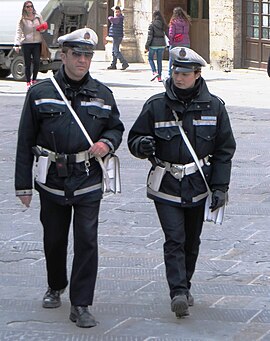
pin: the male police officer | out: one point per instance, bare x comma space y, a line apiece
175, 184
74, 179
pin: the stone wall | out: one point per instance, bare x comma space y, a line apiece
225, 24
142, 18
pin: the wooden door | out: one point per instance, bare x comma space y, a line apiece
199, 30
256, 37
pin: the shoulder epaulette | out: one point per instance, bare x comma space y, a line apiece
102, 84
45, 80
220, 99
154, 97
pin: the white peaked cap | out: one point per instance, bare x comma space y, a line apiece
85, 36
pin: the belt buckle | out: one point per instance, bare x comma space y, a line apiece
177, 172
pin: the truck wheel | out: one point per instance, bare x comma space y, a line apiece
17, 68
4, 73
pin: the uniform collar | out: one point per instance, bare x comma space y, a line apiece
88, 86
202, 95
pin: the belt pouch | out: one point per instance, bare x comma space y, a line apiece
155, 177
61, 165
41, 169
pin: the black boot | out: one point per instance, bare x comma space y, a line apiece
124, 66
52, 299
82, 317
179, 305
112, 67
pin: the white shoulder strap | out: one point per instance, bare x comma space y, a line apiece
192, 151
105, 173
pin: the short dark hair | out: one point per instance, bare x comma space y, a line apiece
117, 7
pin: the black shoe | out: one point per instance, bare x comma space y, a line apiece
124, 66
82, 317
190, 299
111, 67
179, 305
52, 299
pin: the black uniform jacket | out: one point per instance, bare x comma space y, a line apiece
206, 123
47, 122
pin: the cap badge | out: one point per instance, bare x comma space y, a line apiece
182, 53
86, 36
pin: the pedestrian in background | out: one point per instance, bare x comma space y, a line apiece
155, 44
268, 66
73, 185
28, 37
178, 31
174, 181
116, 31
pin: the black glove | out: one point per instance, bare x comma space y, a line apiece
147, 145
218, 199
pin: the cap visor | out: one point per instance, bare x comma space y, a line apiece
183, 69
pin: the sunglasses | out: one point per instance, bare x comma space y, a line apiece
29, 6
79, 54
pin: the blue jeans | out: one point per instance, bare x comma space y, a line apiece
116, 51
159, 54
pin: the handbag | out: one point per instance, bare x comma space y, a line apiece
44, 52
178, 38
217, 215
111, 165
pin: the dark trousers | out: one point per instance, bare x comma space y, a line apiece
182, 228
56, 221
31, 51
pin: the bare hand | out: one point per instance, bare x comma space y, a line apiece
26, 200
99, 149
17, 49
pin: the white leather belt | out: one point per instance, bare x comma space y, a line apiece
178, 171
71, 158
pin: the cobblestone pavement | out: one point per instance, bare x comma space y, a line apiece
231, 283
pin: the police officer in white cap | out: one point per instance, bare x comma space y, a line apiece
174, 183
73, 185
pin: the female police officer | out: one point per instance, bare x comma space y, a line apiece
179, 198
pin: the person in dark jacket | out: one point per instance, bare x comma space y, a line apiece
73, 185
116, 31
174, 181
156, 44
268, 66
